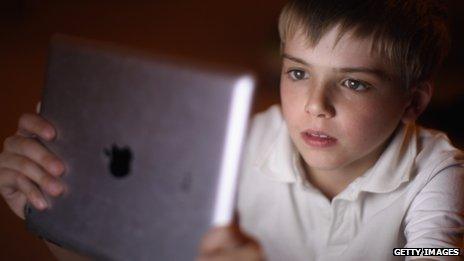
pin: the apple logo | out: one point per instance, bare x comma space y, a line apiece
120, 160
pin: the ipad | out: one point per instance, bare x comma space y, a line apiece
151, 147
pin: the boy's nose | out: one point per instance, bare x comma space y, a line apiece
319, 103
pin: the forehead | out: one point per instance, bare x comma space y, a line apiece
333, 51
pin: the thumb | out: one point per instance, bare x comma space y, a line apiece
223, 238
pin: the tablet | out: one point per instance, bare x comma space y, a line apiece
151, 147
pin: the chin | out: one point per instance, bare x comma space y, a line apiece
323, 162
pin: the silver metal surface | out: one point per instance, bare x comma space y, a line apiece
172, 117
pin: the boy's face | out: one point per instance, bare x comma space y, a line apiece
341, 91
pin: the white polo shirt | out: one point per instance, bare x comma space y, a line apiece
412, 197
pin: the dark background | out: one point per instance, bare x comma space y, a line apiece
239, 33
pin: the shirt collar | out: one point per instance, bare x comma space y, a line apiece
394, 166
280, 161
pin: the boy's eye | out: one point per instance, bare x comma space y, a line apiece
298, 75
356, 85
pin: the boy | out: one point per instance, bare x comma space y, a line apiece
340, 171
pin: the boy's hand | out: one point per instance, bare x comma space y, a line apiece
26, 165
229, 244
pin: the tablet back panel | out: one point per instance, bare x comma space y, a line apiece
143, 141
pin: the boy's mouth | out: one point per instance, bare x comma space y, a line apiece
318, 139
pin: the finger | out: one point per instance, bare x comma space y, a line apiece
219, 239
214, 258
9, 189
32, 149
14, 197
34, 172
36, 125
8, 182
250, 251
31, 191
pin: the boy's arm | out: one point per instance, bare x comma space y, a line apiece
436, 216
64, 254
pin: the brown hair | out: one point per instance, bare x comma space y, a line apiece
412, 35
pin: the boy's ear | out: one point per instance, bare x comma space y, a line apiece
419, 97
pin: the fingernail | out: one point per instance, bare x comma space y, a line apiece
55, 167
55, 187
41, 204
48, 133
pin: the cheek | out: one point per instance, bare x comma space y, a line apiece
292, 101
369, 124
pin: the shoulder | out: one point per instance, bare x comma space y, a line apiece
439, 169
434, 217
435, 153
